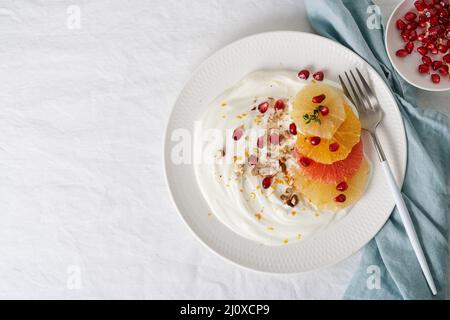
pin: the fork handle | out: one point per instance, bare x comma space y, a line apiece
408, 224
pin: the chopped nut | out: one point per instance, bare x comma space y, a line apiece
283, 167
239, 169
268, 171
293, 201
220, 154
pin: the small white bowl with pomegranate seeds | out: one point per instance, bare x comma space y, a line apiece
418, 43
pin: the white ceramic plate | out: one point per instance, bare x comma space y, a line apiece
283, 50
407, 66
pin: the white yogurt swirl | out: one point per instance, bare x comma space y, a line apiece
239, 201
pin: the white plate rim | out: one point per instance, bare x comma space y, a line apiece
403, 152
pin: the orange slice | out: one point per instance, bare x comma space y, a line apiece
347, 135
338, 171
323, 195
304, 105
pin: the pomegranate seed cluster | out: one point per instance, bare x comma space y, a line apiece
427, 27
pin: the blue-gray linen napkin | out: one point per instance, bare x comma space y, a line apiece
425, 188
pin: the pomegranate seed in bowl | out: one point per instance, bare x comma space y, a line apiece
424, 68
409, 47
435, 78
401, 53
400, 24
420, 5
427, 60
436, 65
422, 50
410, 16
443, 70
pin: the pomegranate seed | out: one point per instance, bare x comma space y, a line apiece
427, 60
442, 48
263, 106
434, 30
324, 110
409, 47
267, 181
436, 64
314, 140
435, 78
405, 35
318, 76
434, 20
303, 74
422, 50
412, 26
410, 16
342, 186
252, 160
274, 138
421, 37
412, 36
237, 133
424, 68
318, 99
446, 58
304, 161
340, 198
333, 147
443, 70
400, 24
293, 129
279, 105
420, 6
401, 53
260, 142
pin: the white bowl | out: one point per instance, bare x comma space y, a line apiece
407, 66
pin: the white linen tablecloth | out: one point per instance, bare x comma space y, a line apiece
86, 89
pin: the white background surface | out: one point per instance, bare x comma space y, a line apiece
82, 118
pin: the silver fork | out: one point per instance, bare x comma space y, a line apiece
370, 115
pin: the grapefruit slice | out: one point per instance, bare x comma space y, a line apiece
338, 171
324, 195
347, 135
323, 126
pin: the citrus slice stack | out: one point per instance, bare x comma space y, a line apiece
333, 172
